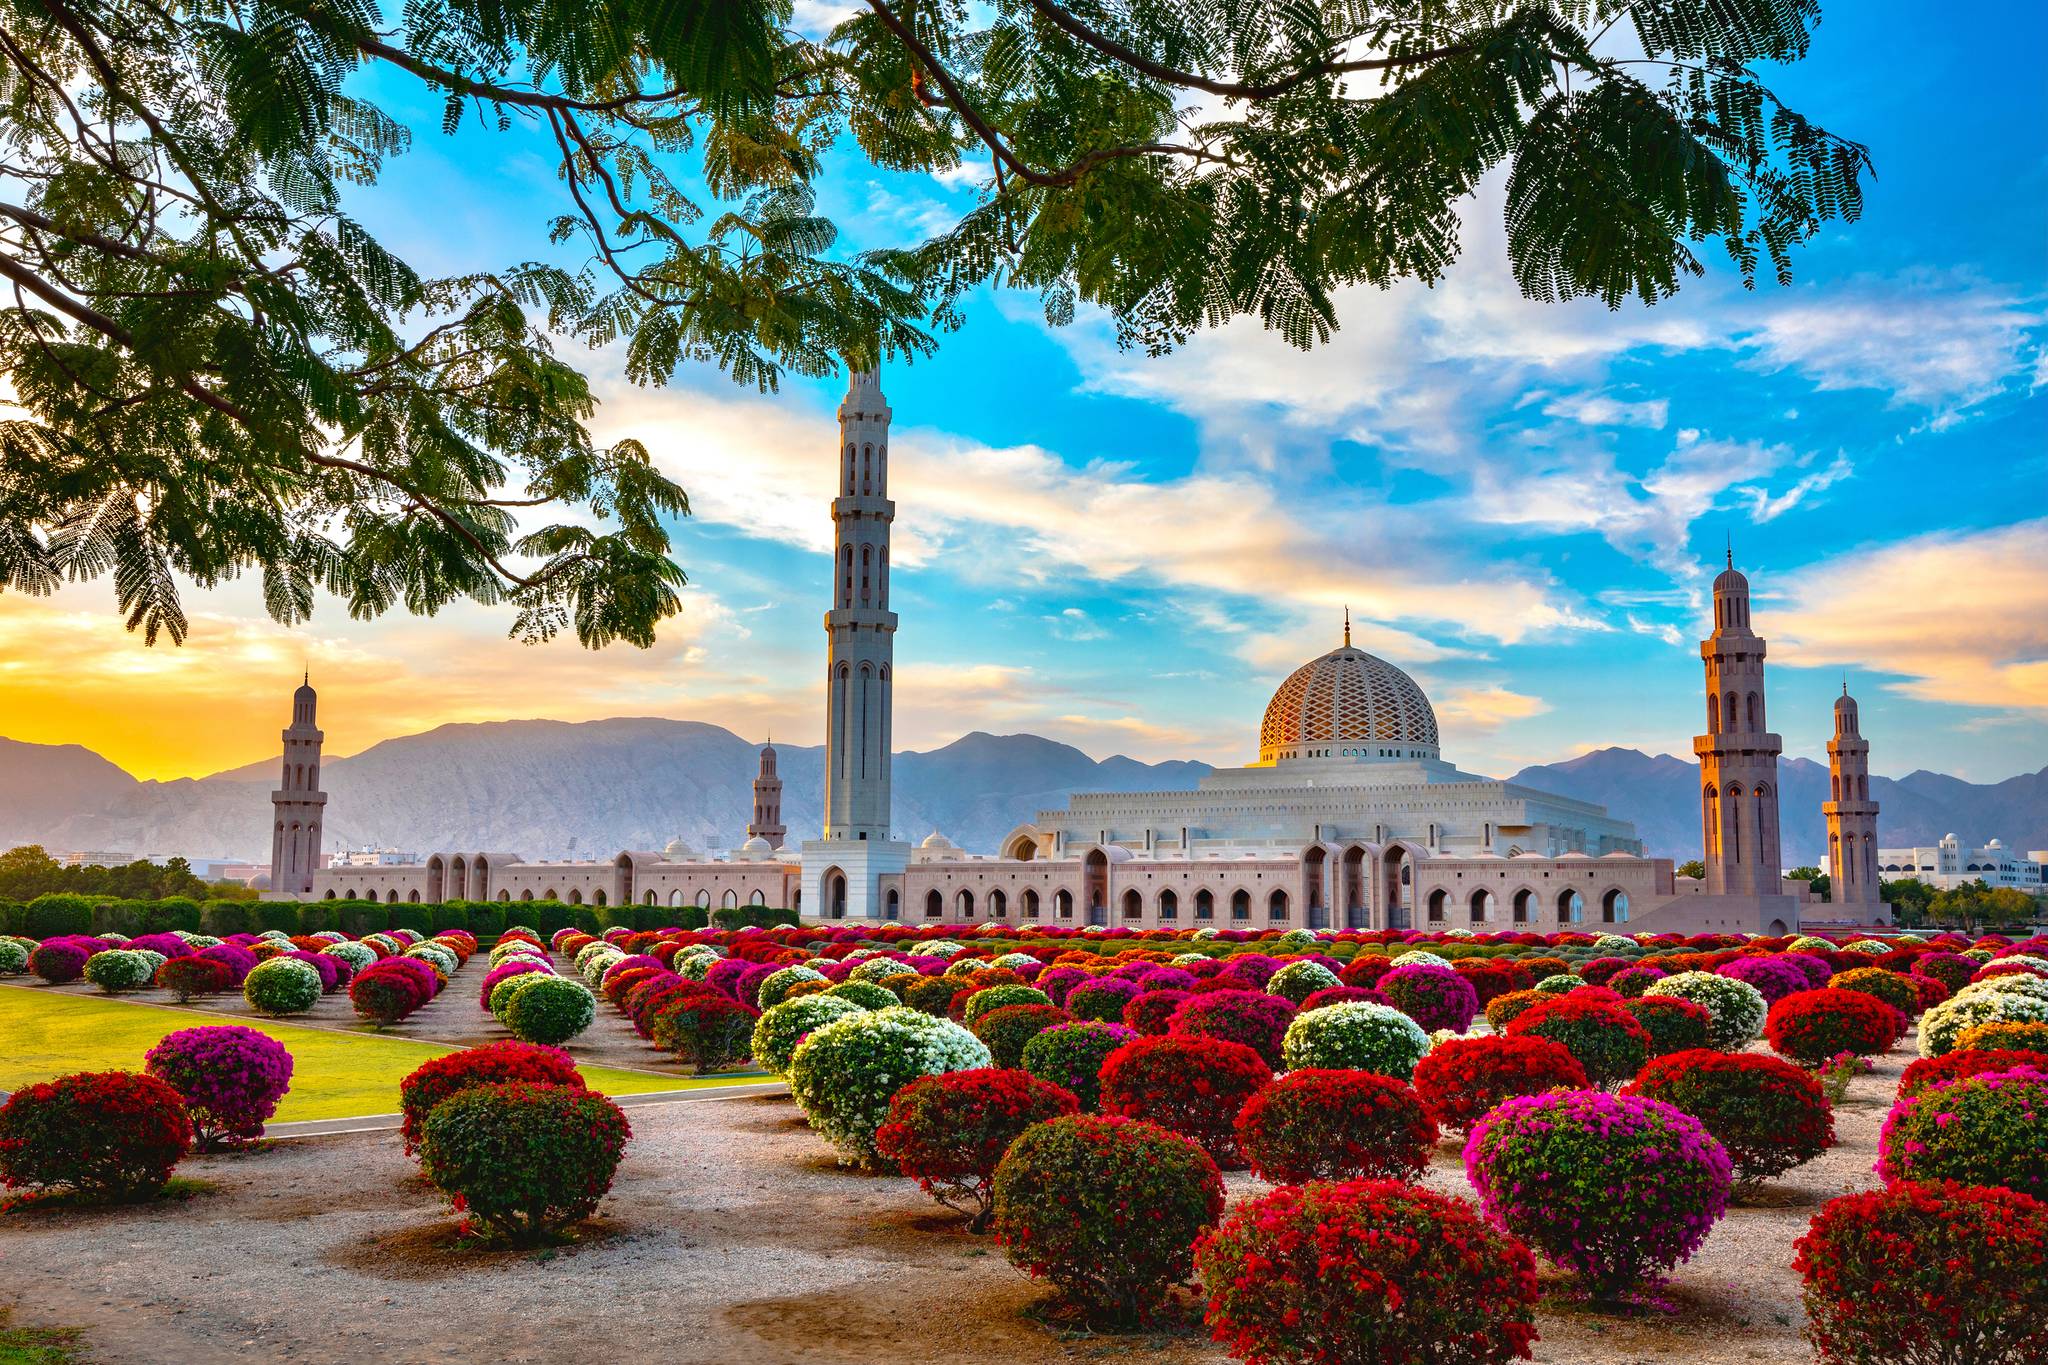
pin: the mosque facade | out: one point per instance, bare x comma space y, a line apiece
1350, 817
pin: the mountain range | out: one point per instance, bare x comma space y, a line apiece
553, 789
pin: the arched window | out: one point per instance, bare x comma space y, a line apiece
599, 899
1756, 711
1205, 904
1480, 907
1437, 902
1030, 903
1276, 905
998, 905
575, 898
1133, 904
1614, 907
730, 900
704, 898
1169, 905
757, 899
934, 905
1571, 906
1240, 904
964, 903
1730, 712
1713, 714
527, 894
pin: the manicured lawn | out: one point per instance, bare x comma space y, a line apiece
334, 1075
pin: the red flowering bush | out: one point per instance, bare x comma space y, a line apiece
1005, 1031
1493, 977
387, 991
1150, 1012
1102, 1000
1071, 1057
1188, 1085
1462, 1078
1927, 1272
1630, 982
491, 1064
1770, 1115
706, 1028
1812, 1026
1602, 1037
186, 977
524, 1160
1257, 1020
948, 1132
1925, 1072
1674, 1025
1317, 1124
231, 1078
1952, 970
1366, 1270
109, 1136
1365, 970
1107, 1208
1503, 1010
1434, 997
1987, 1129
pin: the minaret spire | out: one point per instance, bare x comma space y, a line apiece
1347, 627
297, 803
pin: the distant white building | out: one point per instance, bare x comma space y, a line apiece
1949, 864
374, 857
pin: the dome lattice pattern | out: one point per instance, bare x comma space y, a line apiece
1345, 697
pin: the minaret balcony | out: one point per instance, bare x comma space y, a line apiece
860, 618
1737, 743
298, 798
873, 507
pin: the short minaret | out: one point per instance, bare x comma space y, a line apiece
1738, 755
298, 802
860, 628
767, 821
1852, 819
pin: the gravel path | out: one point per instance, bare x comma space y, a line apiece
730, 1235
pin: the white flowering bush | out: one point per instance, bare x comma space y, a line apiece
506, 948
1356, 1035
593, 971
693, 966
549, 1009
1807, 943
778, 1031
118, 969
844, 1074
1017, 962
1980, 956
1561, 984
1420, 957
2039, 964
279, 936
938, 947
1457, 933
354, 954
875, 968
1294, 941
777, 984
2015, 984
1940, 1026
13, 958
1206, 932
1614, 943
281, 985
593, 949
1297, 981
1738, 1008
439, 956
862, 954
151, 959
1869, 947
200, 940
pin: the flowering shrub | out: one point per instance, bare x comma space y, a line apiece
13, 957
1106, 1208
1071, 1057
231, 1078
1646, 1185
524, 1160
1366, 1270
492, 1064
844, 1073
1320, 1124
1737, 1008
549, 1009
1934, 1272
2006, 1034
866, 994
107, 1135
1188, 1085
1152, 1012
1941, 1026
1502, 1010
281, 986
1773, 977
1463, 1078
1006, 1031
1297, 981
778, 1030
1605, 1039
709, 1029
948, 1132
1360, 1037
1768, 1114
118, 969
390, 990
1954, 1066
186, 977
1894, 988
776, 984
238, 960
57, 962
1434, 997
1257, 1020
1812, 1026
992, 998
1987, 1129
1949, 969
1102, 1000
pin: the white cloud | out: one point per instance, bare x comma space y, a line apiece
1075, 624
1663, 630
1600, 410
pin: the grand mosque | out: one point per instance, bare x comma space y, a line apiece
1349, 818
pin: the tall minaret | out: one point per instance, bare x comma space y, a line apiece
1738, 756
1852, 817
298, 802
860, 627
767, 822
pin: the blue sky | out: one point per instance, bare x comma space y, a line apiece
1521, 503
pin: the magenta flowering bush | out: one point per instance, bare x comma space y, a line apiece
1434, 997
1057, 981
1986, 1129
1102, 1000
170, 945
1613, 1187
231, 1077
1253, 1018
238, 960
333, 971
1774, 976
1818, 972
58, 962
516, 967
1630, 982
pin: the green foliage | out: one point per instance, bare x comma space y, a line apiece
56, 913
526, 1160
280, 915
27, 872
221, 918
417, 918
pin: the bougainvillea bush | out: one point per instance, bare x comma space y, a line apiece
526, 1161
1894, 988
709, 1030
1257, 1020
779, 1030
1358, 1037
1101, 1001
1106, 1208
1987, 1129
1297, 981
1321, 1124
1812, 1026
1462, 1078
106, 1136
187, 977
391, 990
1366, 1270
1070, 1056
1941, 1026
1769, 1114
1604, 1038
844, 1074
1674, 1025
549, 1009
1647, 1183
231, 1078
1925, 1072
1927, 1272
948, 1132
1153, 1011
1737, 1008
281, 986
1434, 997
58, 962
1773, 977
1006, 1031
492, 1064
1191, 1086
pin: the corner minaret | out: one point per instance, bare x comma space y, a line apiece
767, 822
1852, 820
860, 628
1738, 755
298, 802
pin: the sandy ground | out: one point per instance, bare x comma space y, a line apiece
729, 1235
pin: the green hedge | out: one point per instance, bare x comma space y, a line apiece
13, 917
693, 917
55, 913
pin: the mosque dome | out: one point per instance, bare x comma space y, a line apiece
936, 841
756, 848
1347, 697
676, 851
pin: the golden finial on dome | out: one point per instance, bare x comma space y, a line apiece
1347, 626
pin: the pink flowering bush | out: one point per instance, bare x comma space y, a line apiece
1253, 1018
231, 1077
1986, 1129
1613, 1187
1774, 976
1434, 997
